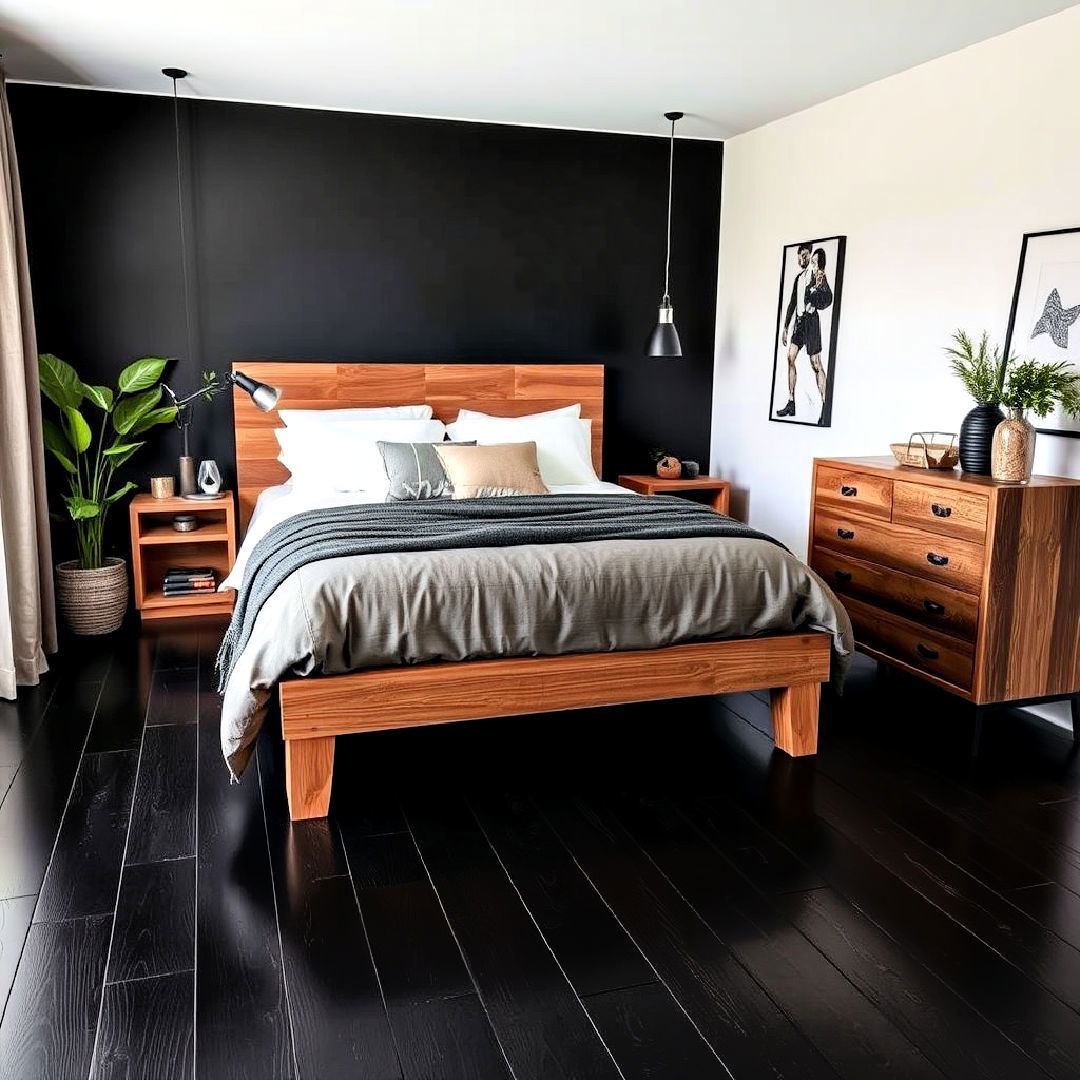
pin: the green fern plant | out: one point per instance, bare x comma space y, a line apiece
91, 463
1040, 386
981, 369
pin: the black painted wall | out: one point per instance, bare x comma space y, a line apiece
343, 236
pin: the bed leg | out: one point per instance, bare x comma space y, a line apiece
795, 718
309, 771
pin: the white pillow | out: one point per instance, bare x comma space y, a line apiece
563, 443
344, 456
303, 417
472, 414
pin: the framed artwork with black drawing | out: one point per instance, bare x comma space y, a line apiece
1045, 306
807, 318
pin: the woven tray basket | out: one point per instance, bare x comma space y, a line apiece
921, 451
92, 601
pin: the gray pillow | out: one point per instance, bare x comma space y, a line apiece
415, 471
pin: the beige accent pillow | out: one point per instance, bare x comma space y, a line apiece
484, 472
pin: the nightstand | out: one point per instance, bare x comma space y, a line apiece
719, 491
156, 546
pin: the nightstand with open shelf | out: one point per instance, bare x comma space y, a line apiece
156, 546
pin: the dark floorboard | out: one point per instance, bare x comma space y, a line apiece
154, 933
645, 892
85, 867
51, 1017
339, 1023
163, 817
507, 957
147, 1029
241, 1016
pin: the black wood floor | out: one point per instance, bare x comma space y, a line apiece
646, 892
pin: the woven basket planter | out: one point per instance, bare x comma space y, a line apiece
92, 601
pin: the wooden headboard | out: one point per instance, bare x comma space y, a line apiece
500, 389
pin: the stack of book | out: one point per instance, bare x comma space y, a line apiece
185, 580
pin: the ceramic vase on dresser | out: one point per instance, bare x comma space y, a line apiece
976, 436
1012, 455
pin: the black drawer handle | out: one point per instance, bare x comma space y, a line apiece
842, 575
846, 534
937, 560
848, 491
930, 654
934, 607
940, 511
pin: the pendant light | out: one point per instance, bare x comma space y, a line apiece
664, 341
265, 397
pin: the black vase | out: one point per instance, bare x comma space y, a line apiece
976, 435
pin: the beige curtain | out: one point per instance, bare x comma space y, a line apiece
27, 618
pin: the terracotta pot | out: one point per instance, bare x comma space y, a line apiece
1012, 454
92, 601
669, 468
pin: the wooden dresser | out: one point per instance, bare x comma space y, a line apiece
967, 583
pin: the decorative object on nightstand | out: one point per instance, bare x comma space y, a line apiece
691, 470
719, 491
982, 371
92, 591
1039, 387
162, 487
948, 577
163, 559
668, 466
210, 478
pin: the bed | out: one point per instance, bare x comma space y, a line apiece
325, 692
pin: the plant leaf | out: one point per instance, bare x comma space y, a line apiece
130, 410
101, 396
59, 383
56, 442
164, 415
119, 493
77, 430
142, 374
80, 508
118, 453
64, 460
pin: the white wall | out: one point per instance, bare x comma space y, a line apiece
933, 175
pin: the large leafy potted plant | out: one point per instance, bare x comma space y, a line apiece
92, 590
982, 371
1038, 387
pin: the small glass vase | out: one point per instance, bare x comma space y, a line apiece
1012, 454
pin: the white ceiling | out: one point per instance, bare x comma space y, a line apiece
613, 65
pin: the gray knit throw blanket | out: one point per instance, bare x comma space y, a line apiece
438, 524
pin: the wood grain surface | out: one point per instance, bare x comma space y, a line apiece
500, 389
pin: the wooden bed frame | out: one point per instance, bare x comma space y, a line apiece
314, 711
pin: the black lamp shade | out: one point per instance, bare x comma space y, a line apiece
664, 341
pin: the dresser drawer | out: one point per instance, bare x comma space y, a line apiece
925, 602
854, 492
939, 654
946, 559
940, 509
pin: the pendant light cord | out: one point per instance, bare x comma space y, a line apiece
181, 223
670, 181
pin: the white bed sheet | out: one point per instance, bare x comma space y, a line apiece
275, 504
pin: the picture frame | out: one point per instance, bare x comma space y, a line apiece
1044, 317
807, 325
